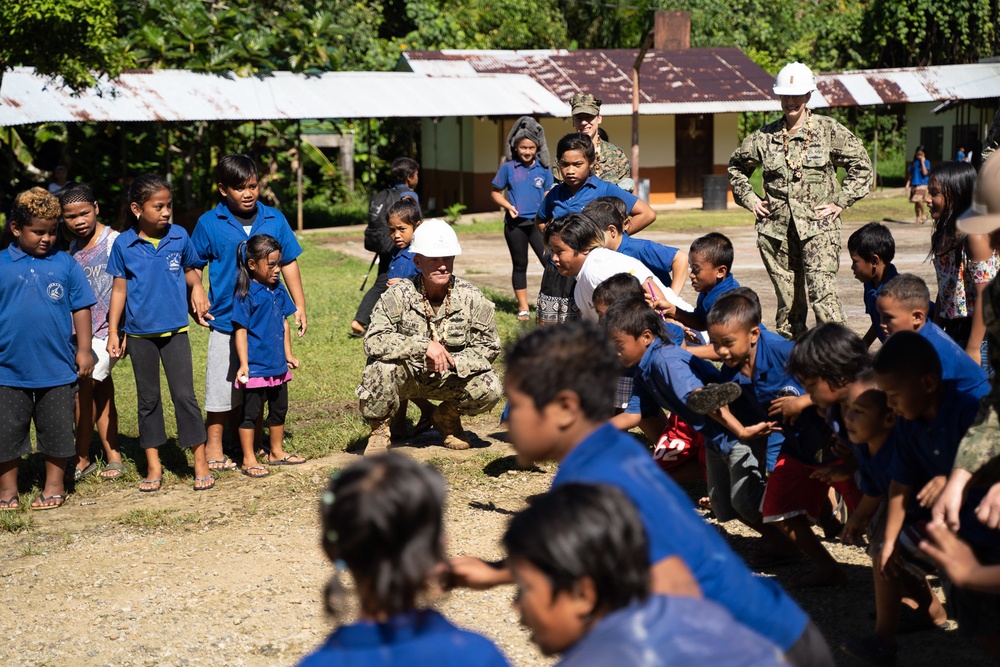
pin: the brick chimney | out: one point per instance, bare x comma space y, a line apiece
672, 31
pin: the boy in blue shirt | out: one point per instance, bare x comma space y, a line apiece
903, 305
216, 237
755, 358
872, 249
667, 263
44, 297
558, 412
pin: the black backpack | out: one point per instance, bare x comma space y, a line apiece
377, 232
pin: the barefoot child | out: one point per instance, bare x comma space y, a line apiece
153, 264
91, 246
44, 295
559, 411
236, 218
264, 347
383, 522
581, 549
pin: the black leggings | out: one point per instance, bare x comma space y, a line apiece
518, 239
378, 288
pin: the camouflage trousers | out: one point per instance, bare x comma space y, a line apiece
800, 267
384, 385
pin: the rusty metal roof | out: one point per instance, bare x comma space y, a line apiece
673, 82
910, 84
180, 95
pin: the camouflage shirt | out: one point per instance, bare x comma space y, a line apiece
612, 163
975, 452
399, 330
793, 193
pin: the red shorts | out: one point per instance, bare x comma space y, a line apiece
678, 444
791, 491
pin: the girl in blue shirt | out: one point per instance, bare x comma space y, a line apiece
261, 306
916, 182
153, 265
383, 522
576, 158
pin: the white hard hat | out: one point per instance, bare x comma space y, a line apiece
435, 238
794, 79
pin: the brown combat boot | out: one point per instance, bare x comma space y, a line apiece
448, 423
378, 440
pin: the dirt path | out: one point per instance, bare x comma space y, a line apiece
234, 576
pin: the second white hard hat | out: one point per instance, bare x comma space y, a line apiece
794, 79
435, 238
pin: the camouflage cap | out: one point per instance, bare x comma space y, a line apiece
585, 103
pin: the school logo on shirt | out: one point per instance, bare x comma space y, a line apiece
174, 262
55, 291
789, 391
539, 182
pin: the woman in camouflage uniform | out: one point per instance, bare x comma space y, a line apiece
433, 337
798, 220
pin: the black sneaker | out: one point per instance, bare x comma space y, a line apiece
713, 396
870, 649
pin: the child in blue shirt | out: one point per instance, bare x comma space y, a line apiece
264, 348
872, 249
558, 412
793, 500
403, 219
527, 181
383, 521
870, 427
667, 263
44, 295
215, 238
903, 305
153, 264
579, 556
576, 158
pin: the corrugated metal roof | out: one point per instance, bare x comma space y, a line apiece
911, 84
673, 82
180, 95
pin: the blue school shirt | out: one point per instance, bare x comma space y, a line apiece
707, 299
217, 236
157, 293
871, 296
402, 265
608, 456
677, 631
873, 471
917, 177
559, 202
38, 296
411, 638
657, 257
956, 365
526, 185
926, 450
262, 313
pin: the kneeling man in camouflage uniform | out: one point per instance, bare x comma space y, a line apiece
433, 337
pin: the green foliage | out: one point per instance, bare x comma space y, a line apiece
67, 38
454, 212
484, 24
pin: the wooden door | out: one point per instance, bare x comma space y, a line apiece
694, 146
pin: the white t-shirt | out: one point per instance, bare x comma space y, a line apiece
600, 265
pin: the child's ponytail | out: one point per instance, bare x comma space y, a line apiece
242, 272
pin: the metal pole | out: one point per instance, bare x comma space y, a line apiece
875, 155
647, 42
298, 171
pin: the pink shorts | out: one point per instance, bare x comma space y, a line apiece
678, 444
791, 491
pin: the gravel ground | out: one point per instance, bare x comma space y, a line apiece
234, 576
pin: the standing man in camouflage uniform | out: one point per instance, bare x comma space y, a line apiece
434, 337
798, 221
612, 164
